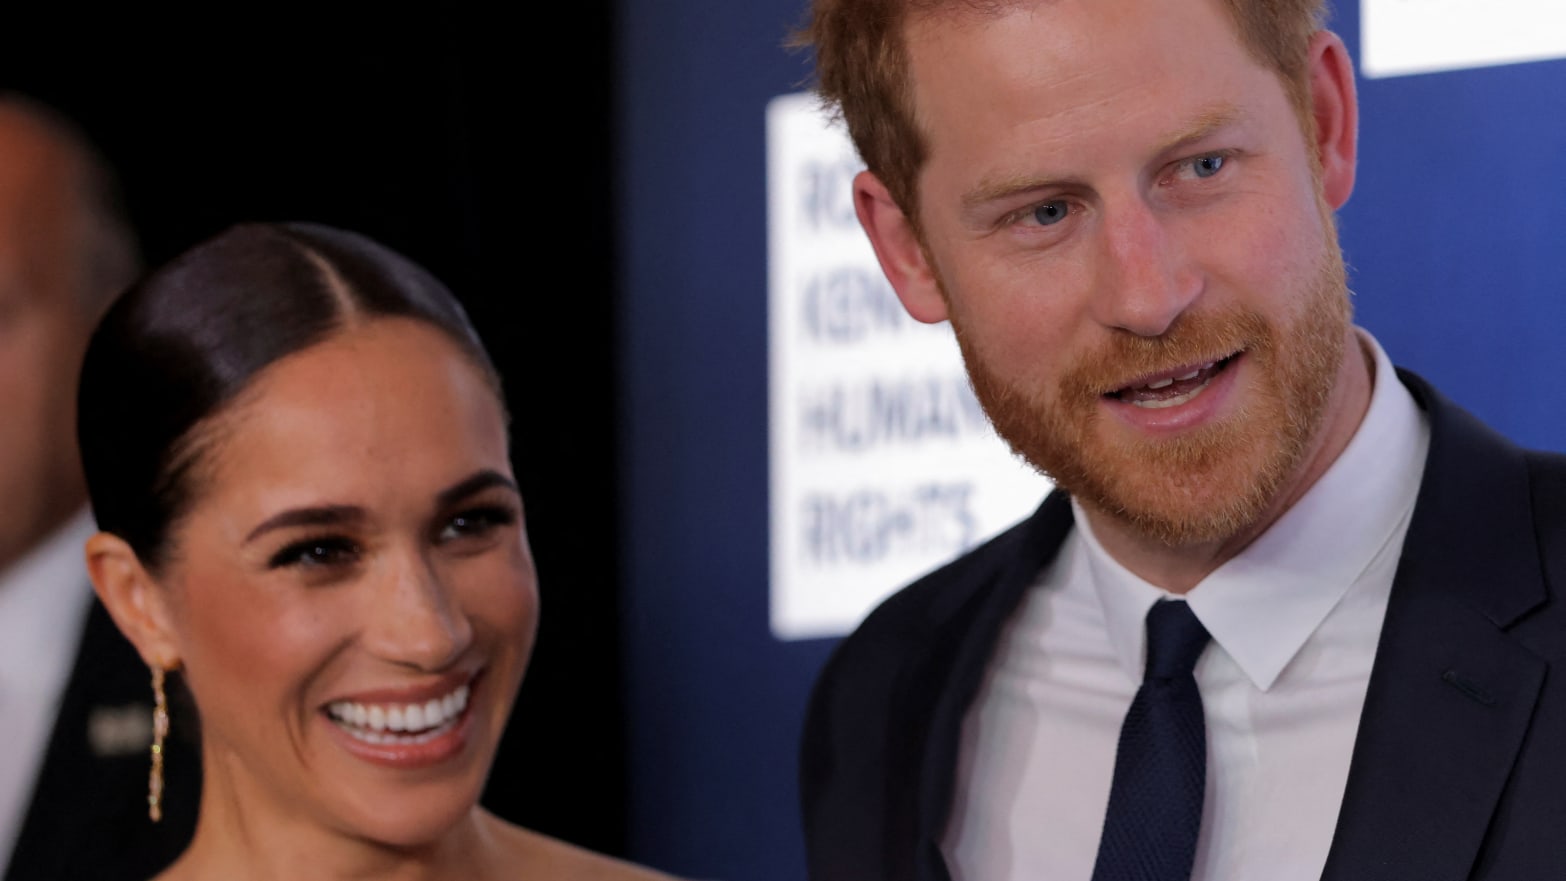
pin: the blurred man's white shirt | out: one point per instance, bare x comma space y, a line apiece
44, 600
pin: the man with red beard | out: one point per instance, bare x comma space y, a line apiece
1289, 614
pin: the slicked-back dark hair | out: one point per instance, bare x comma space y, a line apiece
185, 341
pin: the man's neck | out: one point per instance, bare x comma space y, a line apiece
1177, 569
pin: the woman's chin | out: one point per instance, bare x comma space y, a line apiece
401, 807
413, 825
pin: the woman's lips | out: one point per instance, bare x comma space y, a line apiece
374, 720
404, 733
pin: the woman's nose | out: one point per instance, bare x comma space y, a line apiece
415, 619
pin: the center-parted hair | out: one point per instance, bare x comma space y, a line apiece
185, 341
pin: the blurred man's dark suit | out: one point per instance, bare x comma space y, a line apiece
88, 818
1459, 767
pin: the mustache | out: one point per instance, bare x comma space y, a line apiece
1126, 359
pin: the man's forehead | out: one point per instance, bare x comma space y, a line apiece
1071, 45
1060, 42
1061, 92
38, 174
927, 19
37, 166
25, 136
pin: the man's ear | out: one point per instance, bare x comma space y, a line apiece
897, 246
137, 603
1336, 111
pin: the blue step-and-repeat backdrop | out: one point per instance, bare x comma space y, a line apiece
759, 401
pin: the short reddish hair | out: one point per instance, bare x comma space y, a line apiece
862, 71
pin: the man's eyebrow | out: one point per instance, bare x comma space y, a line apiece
996, 189
323, 515
1210, 120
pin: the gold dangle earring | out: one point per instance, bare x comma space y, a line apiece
160, 730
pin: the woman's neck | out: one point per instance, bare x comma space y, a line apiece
243, 837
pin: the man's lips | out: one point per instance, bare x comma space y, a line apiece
1173, 387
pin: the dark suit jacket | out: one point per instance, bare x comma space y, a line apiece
1459, 766
88, 817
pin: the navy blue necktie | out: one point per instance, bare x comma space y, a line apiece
1155, 801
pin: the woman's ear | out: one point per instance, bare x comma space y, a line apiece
137, 603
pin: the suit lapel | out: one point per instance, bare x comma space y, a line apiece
88, 817
1451, 694
978, 634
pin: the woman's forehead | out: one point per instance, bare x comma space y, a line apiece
390, 405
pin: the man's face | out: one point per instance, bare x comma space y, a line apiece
43, 331
1121, 220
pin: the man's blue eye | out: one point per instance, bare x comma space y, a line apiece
1207, 166
1051, 213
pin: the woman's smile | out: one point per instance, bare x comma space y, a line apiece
405, 728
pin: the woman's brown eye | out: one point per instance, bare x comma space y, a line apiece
315, 552
476, 521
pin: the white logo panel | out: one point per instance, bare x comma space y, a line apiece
882, 463
1422, 36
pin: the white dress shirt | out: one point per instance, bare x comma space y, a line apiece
44, 600
1295, 620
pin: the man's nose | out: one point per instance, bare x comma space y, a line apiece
1145, 279
414, 619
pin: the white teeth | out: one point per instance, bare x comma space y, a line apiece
389, 722
1165, 383
378, 737
1171, 402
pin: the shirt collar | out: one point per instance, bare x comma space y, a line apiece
1262, 605
43, 600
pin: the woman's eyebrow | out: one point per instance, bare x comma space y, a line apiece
323, 515
478, 482
332, 515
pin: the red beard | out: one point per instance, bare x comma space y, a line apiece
1207, 484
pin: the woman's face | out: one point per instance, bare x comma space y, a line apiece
352, 593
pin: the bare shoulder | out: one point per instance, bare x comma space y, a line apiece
546, 857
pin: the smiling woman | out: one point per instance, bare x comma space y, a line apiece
297, 453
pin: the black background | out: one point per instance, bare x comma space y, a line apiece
484, 157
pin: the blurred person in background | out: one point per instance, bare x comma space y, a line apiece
75, 711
